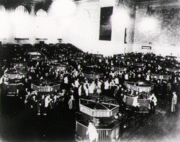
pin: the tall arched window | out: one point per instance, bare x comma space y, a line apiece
41, 13
5, 24
22, 22
46, 27
21, 9
2, 8
41, 24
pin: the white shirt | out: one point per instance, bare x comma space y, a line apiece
148, 77
159, 67
55, 98
6, 70
34, 92
47, 100
91, 87
75, 73
70, 102
126, 76
153, 98
86, 86
76, 83
135, 101
112, 83
1, 79
92, 132
99, 84
112, 74
66, 80
79, 67
106, 85
174, 99
116, 80
80, 90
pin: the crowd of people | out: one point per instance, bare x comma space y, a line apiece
85, 74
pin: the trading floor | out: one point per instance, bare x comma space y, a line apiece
130, 97
17, 125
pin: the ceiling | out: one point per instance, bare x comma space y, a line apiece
11, 4
44, 4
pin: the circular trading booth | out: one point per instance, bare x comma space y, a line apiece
34, 54
140, 90
178, 59
160, 58
61, 68
177, 64
161, 77
13, 81
43, 89
57, 66
92, 72
101, 112
171, 57
45, 85
138, 66
150, 61
174, 69
19, 64
117, 69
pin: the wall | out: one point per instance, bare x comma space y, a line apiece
50, 25
77, 23
160, 29
84, 32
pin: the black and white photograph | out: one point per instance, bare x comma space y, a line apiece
89, 70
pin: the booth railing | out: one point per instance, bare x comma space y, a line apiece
11, 88
104, 134
161, 77
143, 103
45, 88
93, 76
139, 88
